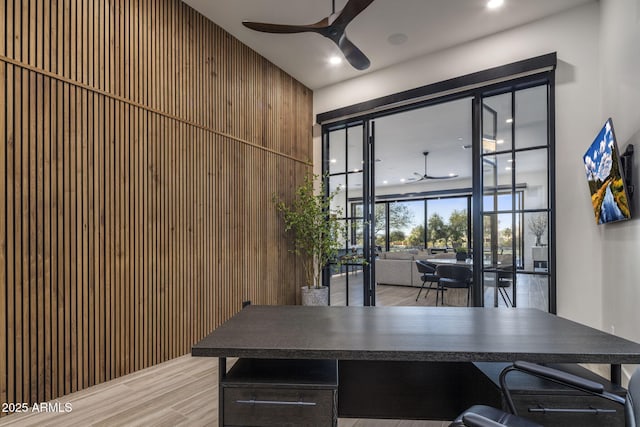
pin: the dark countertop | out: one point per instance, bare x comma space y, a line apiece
452, 334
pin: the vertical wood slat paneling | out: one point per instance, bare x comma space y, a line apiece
141, 146
4, 139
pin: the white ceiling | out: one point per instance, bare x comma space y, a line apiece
445, 131
430, 25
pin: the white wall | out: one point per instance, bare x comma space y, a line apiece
620, 44
574, 35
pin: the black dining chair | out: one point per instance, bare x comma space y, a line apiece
428, 274
454, 277
487, 416
504, 280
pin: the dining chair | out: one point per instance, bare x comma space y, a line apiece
454, 277
504, 280
487, 416
428, 274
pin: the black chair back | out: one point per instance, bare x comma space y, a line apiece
455, 275
505, 276
425, 267
428, 274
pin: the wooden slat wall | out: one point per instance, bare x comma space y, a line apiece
141, 147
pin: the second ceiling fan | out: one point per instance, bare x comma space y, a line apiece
425, 176
332, 27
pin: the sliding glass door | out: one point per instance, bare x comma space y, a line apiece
348, 167
516, 210
465, 179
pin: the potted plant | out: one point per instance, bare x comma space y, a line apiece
316, 232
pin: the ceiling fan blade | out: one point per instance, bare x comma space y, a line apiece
356, 58
440, 177
350, 11
426, 176
418, 178
287, 29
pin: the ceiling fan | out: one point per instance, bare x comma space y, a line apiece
331, 27
426, 176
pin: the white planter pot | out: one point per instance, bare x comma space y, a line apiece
315, 296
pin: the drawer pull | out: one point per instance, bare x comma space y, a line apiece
274, 402
595, 411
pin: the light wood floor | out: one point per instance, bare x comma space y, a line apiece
180, 392
184, 392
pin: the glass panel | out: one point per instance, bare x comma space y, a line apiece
531, 117
499, 258
498, 240
354, 185
354, 149
380, 230
518, 256
443, 130
533, 291
447, 223
346, 278
497, 181
536, 241
339, 203
499, 288
532, 175
337, 151
509, 245
490, 294
497, 123
346, 178
405, 225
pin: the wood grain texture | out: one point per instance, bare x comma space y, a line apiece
179, 392
430, 334
141, 148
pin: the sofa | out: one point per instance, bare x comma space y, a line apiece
399, 268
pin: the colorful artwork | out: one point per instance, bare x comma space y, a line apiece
602, 165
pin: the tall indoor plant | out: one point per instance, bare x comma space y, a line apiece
316, 231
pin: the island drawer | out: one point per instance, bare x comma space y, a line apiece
264, 392
256, 406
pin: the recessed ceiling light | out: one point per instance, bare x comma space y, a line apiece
508, 168
397, 39
335, 60
402, 180
385, 182
510, 161
333, 161
494, 4
509, 120
500, 141
452, 174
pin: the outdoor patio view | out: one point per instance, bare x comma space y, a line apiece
419, 224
